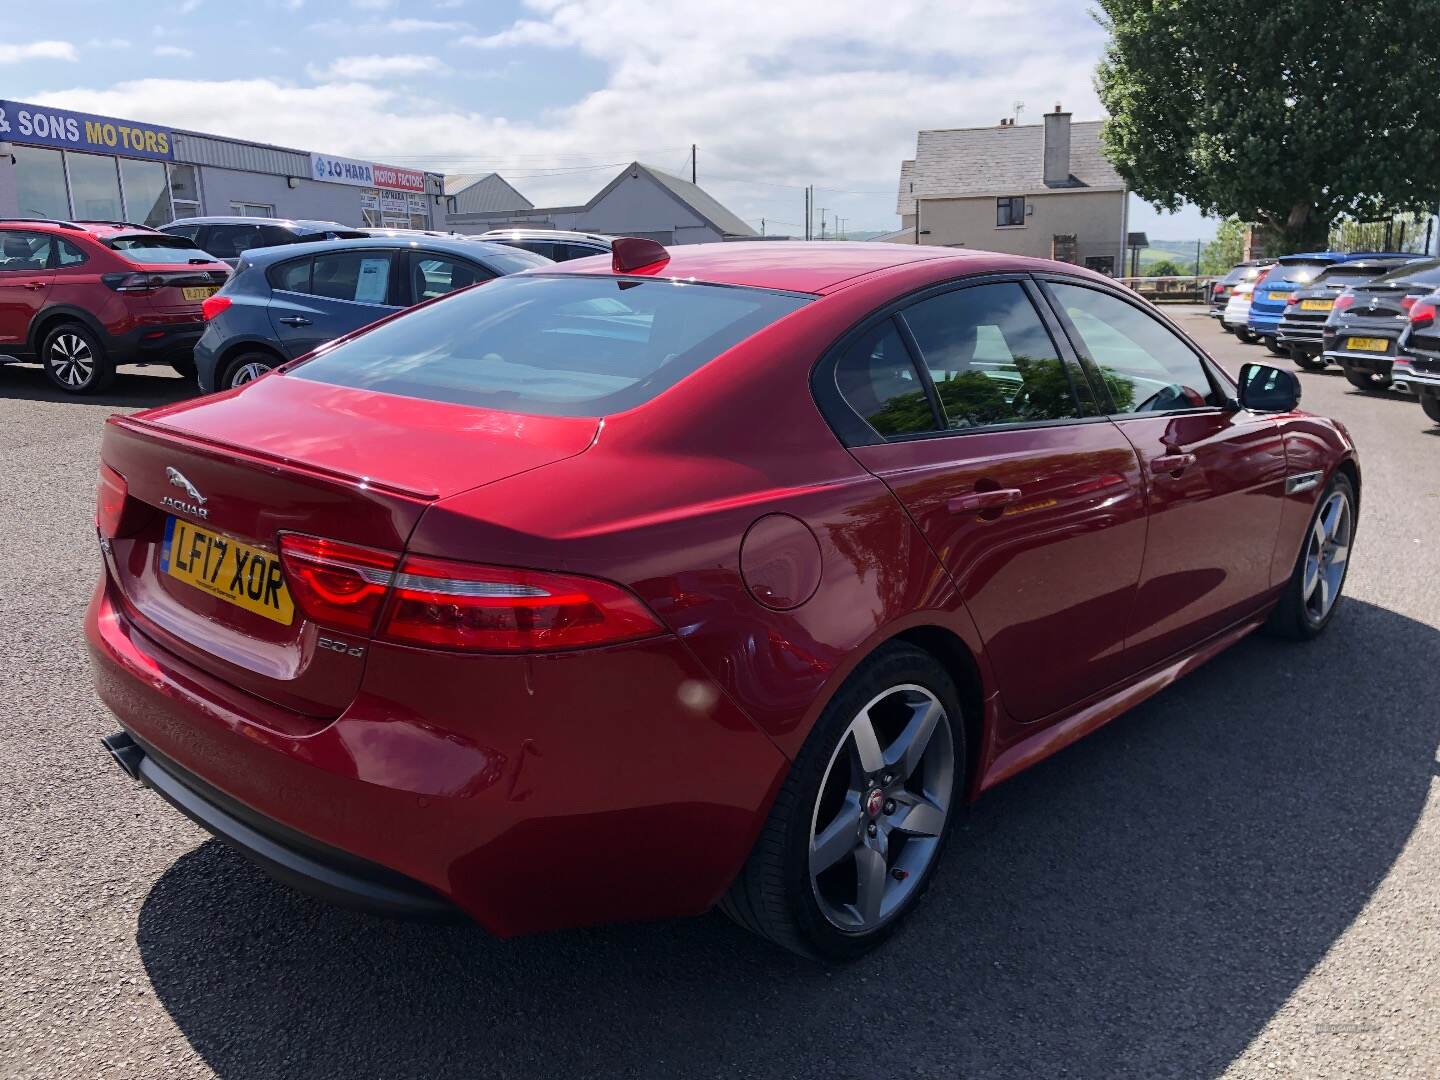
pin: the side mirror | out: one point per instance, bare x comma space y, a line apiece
1268, 389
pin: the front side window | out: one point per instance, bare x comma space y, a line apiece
990, 358
228, 241
877, 378
40, 183
362, 277
1010, 211
566, 345
1146, 367
94, 187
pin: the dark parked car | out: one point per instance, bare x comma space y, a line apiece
1223, 289
81, 297
1279, 284
559, 245
722, 575
227, 238
282, 302
1417, 362
1364, 326
1302, 324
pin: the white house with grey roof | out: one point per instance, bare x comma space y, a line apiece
1044, 190
640, 201
484, 193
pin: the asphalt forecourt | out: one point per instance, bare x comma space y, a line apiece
1240, 877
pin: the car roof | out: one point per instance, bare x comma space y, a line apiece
549, 234
1341, 256
298, 224
794, 266
104, 229
446, 245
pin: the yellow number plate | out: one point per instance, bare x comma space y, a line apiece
1316, 305
200, 292
1367, 344
1284, 297
248, 577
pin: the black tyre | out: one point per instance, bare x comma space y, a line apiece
184, 367
1274, 346
75, 360
1431, 404
861, 823
1245, 335
1367, 380
1227, 329
1313, 592
1307, 361
247, 367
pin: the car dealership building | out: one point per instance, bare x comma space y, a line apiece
55, 163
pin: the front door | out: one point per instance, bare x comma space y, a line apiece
1215, 474
25, 282
1033, 502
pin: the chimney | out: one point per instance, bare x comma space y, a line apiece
1057, 148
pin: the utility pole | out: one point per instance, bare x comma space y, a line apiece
692, 163
762, 226
822, 221
807, 211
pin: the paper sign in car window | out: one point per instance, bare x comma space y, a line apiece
372, 284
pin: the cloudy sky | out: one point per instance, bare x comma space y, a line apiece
557, 94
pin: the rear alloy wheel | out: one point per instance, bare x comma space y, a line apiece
1308, 361
859, 826
75, 360
1431, 404
1313, 592
1274, 346
1367, 380
1245, 335
247, 368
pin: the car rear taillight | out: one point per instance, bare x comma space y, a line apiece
1255, 288
133, 282
110, 498
455, 605
1344, 302
1408, 302
214, 305
1422, 313
337, 585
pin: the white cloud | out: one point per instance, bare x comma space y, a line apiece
187, 6
108, 43
422, 26
173, 50
373, 5
776, 95
369, 68
38, 50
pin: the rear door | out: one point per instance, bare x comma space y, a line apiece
319, 298
26, 278
987, 433
1214, 473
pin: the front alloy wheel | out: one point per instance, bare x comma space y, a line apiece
882, 808
1327, 552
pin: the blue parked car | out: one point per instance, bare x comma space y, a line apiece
282, 302
1281, 282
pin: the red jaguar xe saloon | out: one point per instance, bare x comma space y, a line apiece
718, 575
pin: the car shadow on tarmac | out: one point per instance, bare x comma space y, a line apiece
1140, 905
133, 388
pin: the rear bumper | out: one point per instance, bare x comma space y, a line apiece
1300, 335
1380, 365
156, 342
1263, 322
531, 793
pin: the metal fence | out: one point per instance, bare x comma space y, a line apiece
1178, 289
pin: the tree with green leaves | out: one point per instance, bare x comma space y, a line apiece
1226, 250
1292, 114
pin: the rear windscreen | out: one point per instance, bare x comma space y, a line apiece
552, 345
158, 248
1295, 273
1340, 274
1416, 273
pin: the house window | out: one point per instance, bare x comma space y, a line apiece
250, 209
1010, 211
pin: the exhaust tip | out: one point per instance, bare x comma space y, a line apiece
126, 752
1401, 386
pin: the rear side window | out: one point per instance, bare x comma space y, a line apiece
990, 358
552, 345
877, 379
1144, 365
292, 276
362, 277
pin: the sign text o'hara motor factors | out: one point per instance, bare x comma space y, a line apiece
337, 170
40, 125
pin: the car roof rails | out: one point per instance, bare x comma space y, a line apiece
117, 224
43, 221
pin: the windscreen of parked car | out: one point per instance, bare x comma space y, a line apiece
158, 248
552, 345
1426, 272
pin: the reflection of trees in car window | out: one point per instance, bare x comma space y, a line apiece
904, 414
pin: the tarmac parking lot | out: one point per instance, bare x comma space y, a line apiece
1241, 877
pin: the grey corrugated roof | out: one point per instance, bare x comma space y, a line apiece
959, 162
905, 200
482, 193
701, 201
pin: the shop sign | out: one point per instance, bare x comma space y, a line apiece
337, 170
39, 125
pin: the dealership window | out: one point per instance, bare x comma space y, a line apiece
40, 183
185, 190
94, 186
251, 209
1010, 211
147, 195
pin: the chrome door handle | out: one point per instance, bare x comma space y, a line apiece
295, 320
1171, 463
34, 284
983, 500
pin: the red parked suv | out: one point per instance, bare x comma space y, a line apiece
620, 589
81, 297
